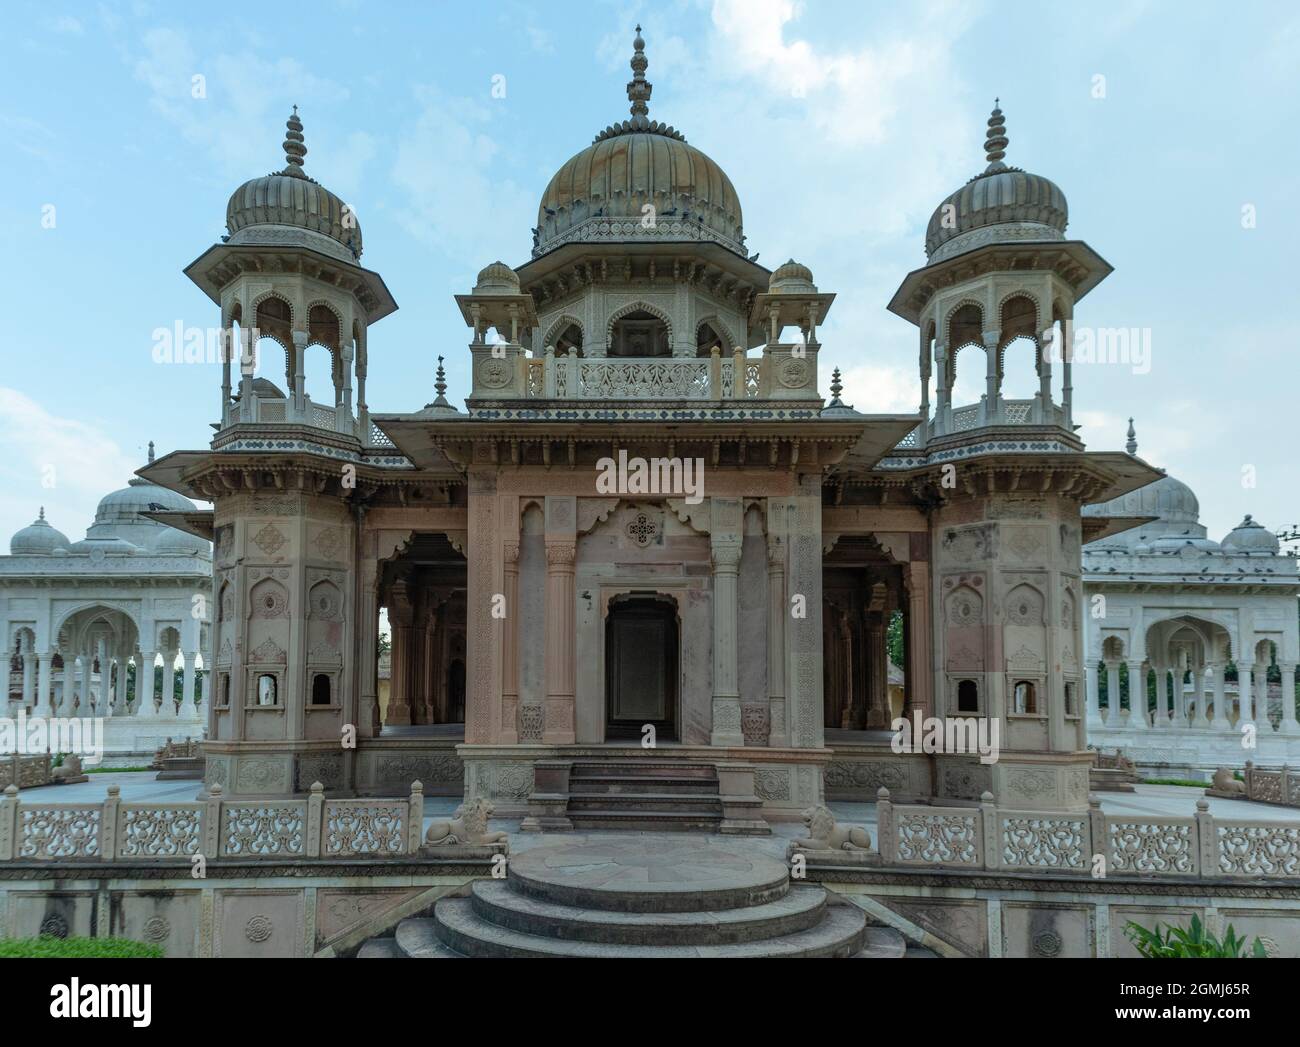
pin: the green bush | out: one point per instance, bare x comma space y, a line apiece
1190, 783
1194, 942
49, 947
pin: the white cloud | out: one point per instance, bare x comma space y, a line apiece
234, 121
461, 193
79, 462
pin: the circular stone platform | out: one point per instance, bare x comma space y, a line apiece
648, 874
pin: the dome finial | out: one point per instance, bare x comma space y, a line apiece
42, 516
294, 149
1132, 446
440, 387
639, 88
995, 139
150, 452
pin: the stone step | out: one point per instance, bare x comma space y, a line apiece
380, 949
843, 932
636, 784
647, 875
884, 943
645, 821
585, 801
417, 938
803, 907
644, 768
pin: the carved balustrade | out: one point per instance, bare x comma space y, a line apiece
989, 838
218, 829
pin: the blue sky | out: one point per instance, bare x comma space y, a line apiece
842, 126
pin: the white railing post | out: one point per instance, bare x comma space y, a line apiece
212, 824
992, 835
415, 819
1097, 843
315, 819
885, 843
9, 824
548, 372
1207, 840
108, 819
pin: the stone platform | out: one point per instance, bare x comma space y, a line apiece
642, 897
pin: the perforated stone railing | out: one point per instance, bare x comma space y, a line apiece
25, 771
1279, 787
568, 377
989, 838
233, 830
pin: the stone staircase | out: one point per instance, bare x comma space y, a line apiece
640, 794
602, 904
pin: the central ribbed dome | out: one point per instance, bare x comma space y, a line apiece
278, 207
602, 193
1006, 203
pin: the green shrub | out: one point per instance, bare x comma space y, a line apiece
1175, 781
47, 946
1194, 942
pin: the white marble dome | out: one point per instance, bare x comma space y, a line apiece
38, 539
630, 165
1250, 536
139, 495
172, 541
1168, 499
1008, 204
288, 207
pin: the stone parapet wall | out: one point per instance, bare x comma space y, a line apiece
264, 909
1032, 915
1091, 844
214, 829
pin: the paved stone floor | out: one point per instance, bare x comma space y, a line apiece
143, 787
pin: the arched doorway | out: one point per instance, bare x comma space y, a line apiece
641, 686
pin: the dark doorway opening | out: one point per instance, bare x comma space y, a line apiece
641, 668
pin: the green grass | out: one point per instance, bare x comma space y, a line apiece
1175, 781
113, 770
48, 947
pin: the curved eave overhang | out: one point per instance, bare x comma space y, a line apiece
428, 442
197, 522
1072, 260
220, 263
1092, 476
203, 475
1095, 528
564, 258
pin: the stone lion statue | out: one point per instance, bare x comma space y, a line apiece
69, 770
1224, 782
468, 827
825, 835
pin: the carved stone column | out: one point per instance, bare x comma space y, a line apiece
400, 617
725, 552
876, 630
1137, 696
804, 628
778, 733
367, 633
44, 661
144, 679
920, 670
1094, 700
1245, 695
482, 630
1288, 724
847, 673
510, 639
1163, 717
1113, 719
558, 727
